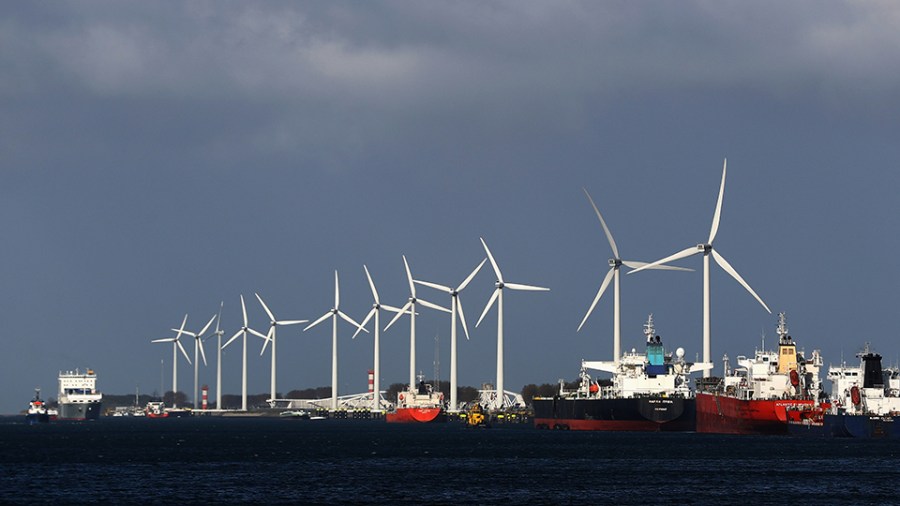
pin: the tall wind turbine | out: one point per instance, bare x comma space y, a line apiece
243, 332
707, 249
455, 308
334, 313
198, 345
377, 306
176, 345
219, 333
613, 274
270, 337
410, 307
498, 296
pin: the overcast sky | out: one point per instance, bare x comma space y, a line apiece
160, 157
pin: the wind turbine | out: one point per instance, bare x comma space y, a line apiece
219, 333
176, 345
613, 274
455, 308
498, 296
377, 306
334, 313
410, 307
270, 337
243, 331
707, 249
198, 344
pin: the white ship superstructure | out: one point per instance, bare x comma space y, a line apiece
78, 395
866, 389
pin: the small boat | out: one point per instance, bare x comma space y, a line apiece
475, 417
296, 413
37, 410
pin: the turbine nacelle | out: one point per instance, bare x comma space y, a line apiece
705, 248
615, 262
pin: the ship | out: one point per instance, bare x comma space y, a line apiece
755, 397
649, 391
865, 403
78, 395
37, 409
418, 405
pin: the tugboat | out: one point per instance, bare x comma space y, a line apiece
649, 392
419, 405
865, 403
37, 410
475, 417
756, 396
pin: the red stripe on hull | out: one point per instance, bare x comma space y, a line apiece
604, 425
719, 414
416, 415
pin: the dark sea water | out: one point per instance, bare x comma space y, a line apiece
271, 460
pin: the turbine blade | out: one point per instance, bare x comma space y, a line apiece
434, 285
391, 308
271, 316
412, 286
493, 262
320, 320
693, 250
365, 322
337, 291
206, 327
636, 265
185, 332
183, 352
400, 313
219, 317
606, 280
462, 315
730, 270
235, 336
488, 306
351, 321
371, 284
164, 340
202, 353
516, 286
291, 322
465, 283
609, 237
181, 330
257, 333
718, 214
266, 344
244, 309
432, 305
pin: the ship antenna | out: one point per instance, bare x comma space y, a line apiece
649, 329
782, 326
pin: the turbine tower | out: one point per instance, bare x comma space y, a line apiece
377, 306
219, 333
270, 337
334, 313
455, 308
498, 296
176, 345
707, 249
613, 274
198, 345
410, 307
243, 332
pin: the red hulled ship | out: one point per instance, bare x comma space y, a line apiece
418, 405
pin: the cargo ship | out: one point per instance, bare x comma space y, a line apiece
865, 403
418, 405
649, 392
78, 395
755, 397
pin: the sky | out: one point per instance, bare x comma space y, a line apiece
157, 158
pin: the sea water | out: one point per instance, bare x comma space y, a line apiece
276, 460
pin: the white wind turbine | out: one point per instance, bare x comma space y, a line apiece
243, 332
176, 345
455, 308
198, 344
498, 296
613, 274
219, 333
707, 249
334, 313
410, 308
377, 306
270, 337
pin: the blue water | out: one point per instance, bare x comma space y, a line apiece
221, 460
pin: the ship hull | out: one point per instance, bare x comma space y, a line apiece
416, 415
79, 410
648, 414
852, 426
720, 414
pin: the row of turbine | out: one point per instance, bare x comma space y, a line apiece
455, 311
